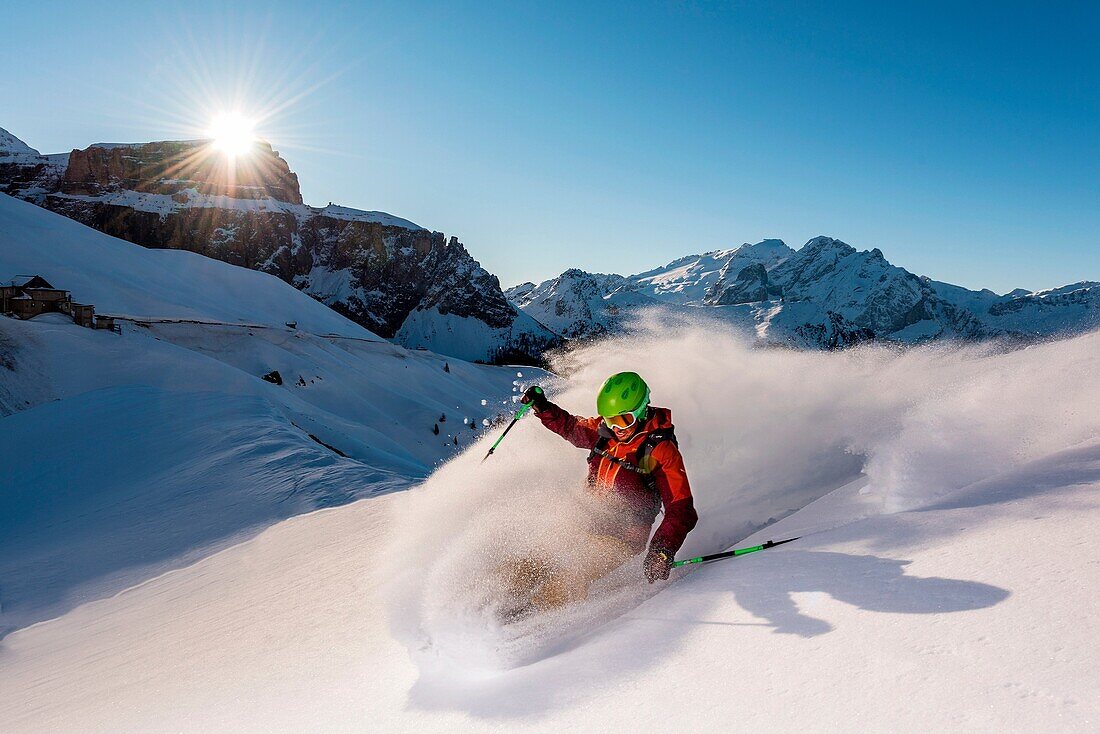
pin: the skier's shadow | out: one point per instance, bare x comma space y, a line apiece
763, 585
868, 582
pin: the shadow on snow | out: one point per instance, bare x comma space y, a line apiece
763, 585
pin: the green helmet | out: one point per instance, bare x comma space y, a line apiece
624, 392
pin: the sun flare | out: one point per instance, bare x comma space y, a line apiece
232, 133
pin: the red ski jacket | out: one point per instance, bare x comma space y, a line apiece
667, 483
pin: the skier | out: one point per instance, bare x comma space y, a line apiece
634, 467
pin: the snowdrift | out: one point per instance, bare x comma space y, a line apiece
763, 432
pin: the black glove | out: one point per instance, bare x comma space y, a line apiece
658, 562
536, 398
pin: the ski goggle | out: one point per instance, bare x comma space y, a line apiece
623, 421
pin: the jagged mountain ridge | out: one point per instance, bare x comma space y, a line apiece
388, 274
693, 279
826, 294
425, 290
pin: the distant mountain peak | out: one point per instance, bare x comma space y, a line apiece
822, 243
13, 147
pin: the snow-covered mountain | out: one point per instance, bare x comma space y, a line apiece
24, 170
396, 278
12, 148
693, 279
577, 304
826, 294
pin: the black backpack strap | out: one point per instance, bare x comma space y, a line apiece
600, 449
657, 436
650, 442
638, 466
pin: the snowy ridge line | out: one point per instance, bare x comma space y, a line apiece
165, 204
167, 320
158, 320
355, 339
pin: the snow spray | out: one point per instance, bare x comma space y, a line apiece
763, 432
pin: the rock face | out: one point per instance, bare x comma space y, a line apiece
377, 269
750, 286
825, 295
176, 167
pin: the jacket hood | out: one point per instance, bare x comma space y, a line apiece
658, 418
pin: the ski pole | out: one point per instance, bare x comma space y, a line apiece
732, 553
519, 414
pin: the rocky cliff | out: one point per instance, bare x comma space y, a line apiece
179, 167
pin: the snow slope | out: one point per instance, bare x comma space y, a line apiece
899, 623
185, 471
467, 337
944, 582
125, 455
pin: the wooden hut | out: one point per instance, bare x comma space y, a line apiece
35, 296
83, 314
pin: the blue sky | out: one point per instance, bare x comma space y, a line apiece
962, 141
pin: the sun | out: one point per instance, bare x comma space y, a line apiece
233, 133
